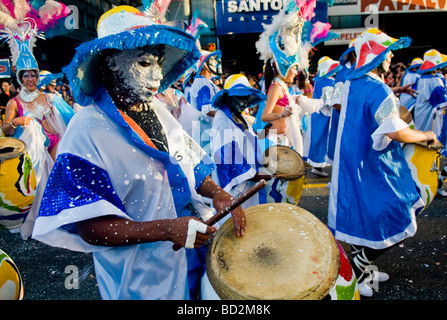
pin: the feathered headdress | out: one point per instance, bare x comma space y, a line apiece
22, 22
196, 24
291, 35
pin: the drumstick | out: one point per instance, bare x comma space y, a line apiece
233, 205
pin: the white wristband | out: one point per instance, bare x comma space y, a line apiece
194, 226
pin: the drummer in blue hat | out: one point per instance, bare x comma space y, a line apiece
128, 178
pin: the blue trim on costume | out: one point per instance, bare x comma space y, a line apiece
203, 170
228, 166
401, 43
76, 182
136, 38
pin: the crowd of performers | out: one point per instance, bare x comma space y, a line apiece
142, 163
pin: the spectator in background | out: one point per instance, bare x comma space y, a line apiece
5, 96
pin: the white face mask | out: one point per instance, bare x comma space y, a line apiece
141, 72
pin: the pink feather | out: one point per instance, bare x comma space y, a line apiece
307, 8
319, 30
10, 6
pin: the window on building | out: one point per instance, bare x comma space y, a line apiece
345, 22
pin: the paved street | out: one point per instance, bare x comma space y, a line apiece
418, 268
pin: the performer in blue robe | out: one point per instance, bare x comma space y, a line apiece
410, 78
369, 163
316, 136
347, 61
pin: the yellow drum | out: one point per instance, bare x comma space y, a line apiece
285, 254
11, 286
17, 183
289, 172
424, 165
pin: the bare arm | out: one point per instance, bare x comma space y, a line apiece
11, 121
273, 96
115, 231
408, 135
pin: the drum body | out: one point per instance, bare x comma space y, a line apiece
17, 183
11, 286
285, 254
424, 165
290, 170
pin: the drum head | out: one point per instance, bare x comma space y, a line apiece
284, 160
286, 253
11, 148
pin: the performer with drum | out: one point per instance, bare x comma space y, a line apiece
369, 162
431, 102
234, 145
128, 179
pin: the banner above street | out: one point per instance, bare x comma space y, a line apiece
358, 7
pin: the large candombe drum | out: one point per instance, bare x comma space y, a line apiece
290, 170
11, 285
424, 164
17, 183
286, 253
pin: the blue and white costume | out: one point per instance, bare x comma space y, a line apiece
202, 92
430, 103
107, 167
364, 124
340, 79
406, 99
85, 183
235, 148
316, 136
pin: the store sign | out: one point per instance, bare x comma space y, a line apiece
247, 16
5, 68
346, 36
356, 7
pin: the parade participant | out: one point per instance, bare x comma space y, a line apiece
431, 100
316, 136
410, 78
234, 145
128, 178
5, 96
369, 162
202, 92
347, 61
32, 116
284, 46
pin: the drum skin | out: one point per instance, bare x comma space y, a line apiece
17, 183
11, 286
286, 253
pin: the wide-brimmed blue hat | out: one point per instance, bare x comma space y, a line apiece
126, 28
237, 85
47, 78
371, 49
